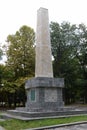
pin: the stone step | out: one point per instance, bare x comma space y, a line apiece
41, 115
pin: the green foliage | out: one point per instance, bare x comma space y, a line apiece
20, 64
69, 49
1, 74
61, 46
21, 53
1, 53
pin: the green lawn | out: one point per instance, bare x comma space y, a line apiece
19, 125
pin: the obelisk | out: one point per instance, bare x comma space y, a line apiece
43, 67
44, 92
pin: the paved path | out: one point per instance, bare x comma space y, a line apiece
74, 127
1, 128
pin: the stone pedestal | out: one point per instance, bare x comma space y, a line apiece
44, 94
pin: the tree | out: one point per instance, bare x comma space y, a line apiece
21, 53
2, 94
67, 45
20, 63
1, 53
1, 67
62, 48
81, 55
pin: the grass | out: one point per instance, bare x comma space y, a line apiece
14, 124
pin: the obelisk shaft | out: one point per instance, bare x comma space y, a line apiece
43, 67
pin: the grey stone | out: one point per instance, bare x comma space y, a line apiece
43, 67
48, 94
1, 128
44, 93
44, 82
35, 114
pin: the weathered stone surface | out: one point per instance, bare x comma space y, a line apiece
43, 66
47, 94
44, 82
44, 114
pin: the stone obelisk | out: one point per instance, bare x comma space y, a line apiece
44, 93
43, 46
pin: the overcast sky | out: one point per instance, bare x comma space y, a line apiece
16, 13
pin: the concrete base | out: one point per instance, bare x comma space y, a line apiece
44, 94
44, 98
65, 112
22, 115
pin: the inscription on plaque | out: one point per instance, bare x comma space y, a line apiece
32, 95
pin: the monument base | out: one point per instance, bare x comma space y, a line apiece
22, 114
44, 98
44, 94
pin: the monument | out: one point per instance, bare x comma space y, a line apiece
44, 93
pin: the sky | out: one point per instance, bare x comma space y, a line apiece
16, 13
